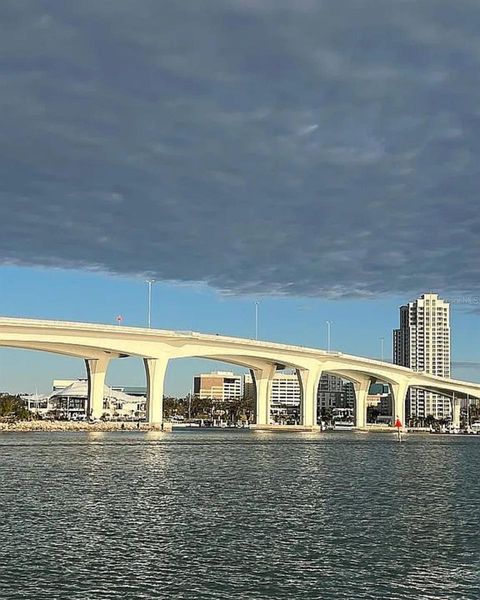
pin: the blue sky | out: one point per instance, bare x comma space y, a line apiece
319, 156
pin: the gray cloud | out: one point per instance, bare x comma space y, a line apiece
288, 147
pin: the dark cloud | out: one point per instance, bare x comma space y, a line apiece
290, 147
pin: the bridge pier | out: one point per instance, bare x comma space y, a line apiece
361, 387
96, 372
263, 384
155, 369
399, 393
309, 380
456, 412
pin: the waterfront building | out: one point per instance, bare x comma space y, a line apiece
218, 385
249, 392
61, 384
379, 408
284, 394
70, 402
330, 392
285, 389
380, 398
36, 403
137, 390
348, 395
422, 343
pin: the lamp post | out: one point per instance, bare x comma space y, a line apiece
329, 325
382, 340
256, 319
149, 316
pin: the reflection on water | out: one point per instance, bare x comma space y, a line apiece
238, 515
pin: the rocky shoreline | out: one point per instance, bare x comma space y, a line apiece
80, 426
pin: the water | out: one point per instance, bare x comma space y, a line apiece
232, 515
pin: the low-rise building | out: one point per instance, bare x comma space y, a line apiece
70, 402
218, 385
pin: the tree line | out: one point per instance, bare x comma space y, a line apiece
12, 408
194, 407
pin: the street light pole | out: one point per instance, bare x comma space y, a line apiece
149, 317
329, 324
382, 340
256, 320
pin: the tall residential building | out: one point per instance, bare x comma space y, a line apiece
423, 343
218, 385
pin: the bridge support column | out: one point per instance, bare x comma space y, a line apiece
155, 369
263, 384
309, 380
399, 393
361, 387
456, 412
96, 372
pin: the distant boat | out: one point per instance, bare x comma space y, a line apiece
343, 419
343, 425
182, 424
475, 427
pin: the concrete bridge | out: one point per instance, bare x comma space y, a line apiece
99, 344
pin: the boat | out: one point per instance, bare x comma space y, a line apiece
343, 419
183, 424
343, 425
475, 427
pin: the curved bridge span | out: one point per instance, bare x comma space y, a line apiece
99, 344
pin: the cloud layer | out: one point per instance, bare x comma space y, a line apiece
289, 147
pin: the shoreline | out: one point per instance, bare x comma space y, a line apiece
105, 426
29, 426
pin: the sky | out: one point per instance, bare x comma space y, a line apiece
319, 157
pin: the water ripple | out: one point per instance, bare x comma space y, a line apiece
224, 515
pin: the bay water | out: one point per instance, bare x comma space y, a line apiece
238, 515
